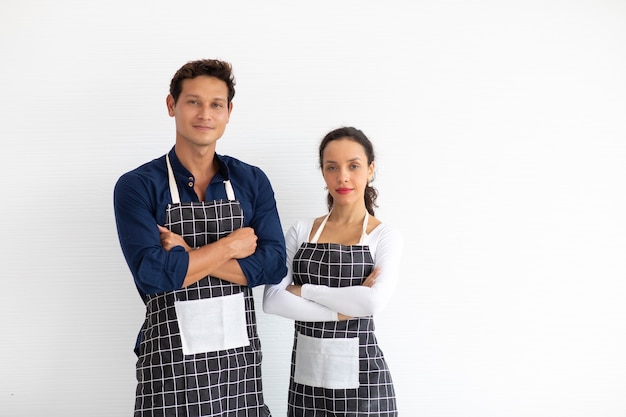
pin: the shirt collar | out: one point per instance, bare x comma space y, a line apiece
179, 168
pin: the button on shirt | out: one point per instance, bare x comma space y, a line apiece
140, 199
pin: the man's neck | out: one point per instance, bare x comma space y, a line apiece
200, 161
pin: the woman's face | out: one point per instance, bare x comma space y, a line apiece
346, 171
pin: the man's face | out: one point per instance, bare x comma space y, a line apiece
202, 111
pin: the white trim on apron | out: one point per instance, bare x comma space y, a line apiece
210, 324
319, 230
172, 181
230, 193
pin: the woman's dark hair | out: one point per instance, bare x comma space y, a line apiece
359, 137
221, 70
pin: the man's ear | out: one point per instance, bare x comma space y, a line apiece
169, 101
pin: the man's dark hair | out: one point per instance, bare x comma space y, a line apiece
221, 70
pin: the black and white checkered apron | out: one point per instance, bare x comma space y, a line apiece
224, 383
336, 265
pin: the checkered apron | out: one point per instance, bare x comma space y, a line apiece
224, 383
336, 265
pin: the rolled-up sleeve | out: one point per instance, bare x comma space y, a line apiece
268, 263
153, 268
142, 195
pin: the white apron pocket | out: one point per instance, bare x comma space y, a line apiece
327, 363
212, 324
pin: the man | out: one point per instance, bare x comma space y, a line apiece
198, 231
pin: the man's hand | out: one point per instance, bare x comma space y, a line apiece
170, 239
242, 242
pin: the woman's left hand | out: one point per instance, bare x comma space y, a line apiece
371, 278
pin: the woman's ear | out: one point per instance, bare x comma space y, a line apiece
370, 172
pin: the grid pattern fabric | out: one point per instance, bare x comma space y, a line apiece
336, 265
223, 383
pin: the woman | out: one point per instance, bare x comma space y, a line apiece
342, 269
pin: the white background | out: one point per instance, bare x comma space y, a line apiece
500, 128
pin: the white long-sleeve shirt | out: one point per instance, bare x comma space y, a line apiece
322, 303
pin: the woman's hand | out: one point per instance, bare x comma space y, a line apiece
170, 239
371, 278
369, 282
342, 317
295, 289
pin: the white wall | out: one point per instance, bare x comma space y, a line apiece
501, 136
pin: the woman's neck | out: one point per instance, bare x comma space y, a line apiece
347, 215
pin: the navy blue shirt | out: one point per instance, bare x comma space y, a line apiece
140, 199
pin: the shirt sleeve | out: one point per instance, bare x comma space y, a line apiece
153, 268
386, 245
267, 265
277, 300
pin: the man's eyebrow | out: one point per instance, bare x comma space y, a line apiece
191, 95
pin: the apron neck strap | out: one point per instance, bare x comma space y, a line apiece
172, 182
321, 228
230, 193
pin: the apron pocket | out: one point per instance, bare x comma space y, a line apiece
212, 324
327, 363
